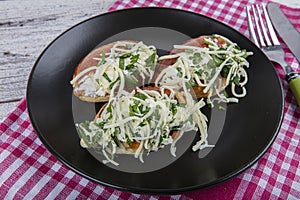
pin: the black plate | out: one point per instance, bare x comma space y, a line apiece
249, 128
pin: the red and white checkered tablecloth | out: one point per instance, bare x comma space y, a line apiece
28, 170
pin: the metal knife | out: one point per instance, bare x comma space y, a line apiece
285, 29
292, 39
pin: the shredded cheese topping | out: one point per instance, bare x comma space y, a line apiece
206, 67
146, 118
124, 65
141, 121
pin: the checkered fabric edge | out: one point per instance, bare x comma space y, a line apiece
29, 171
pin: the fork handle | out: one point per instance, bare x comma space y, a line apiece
293, 78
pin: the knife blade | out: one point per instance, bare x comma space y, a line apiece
285, 29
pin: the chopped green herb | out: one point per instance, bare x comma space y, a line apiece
222, 56
161, 138
190, 84
199, 72
121, 63
100, 125
226, 94
179, 71
224, 72
217, 60
245, 53
206, 74
141, 96
128, 141
134, 58
115, 138
175, 128
237, 47
173, 108
143, 123
211, 64
213, 72
109, 109
130, 81
126, 55
80, 128
143, 110
102, 59
113, 83
236, 80
133, 109
189, 51
106, 77
197, 54
150, 61
129, 67
196, 58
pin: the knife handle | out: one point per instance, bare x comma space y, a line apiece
293, 79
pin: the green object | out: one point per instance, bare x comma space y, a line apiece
295, 87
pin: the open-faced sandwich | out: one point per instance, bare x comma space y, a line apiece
152, 101
207, 65
112, 68
144, 120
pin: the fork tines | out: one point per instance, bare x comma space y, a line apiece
261, 31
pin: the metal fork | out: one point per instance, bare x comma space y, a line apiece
263, 35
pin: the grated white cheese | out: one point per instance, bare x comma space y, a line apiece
147, 120
194, 65
96, 80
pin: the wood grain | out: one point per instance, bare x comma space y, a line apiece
26, 28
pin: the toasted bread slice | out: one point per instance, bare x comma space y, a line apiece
134, 144
89, 62
197, 91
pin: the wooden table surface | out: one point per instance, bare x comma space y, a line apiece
27, 27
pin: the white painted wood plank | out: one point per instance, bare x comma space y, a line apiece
26, 28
